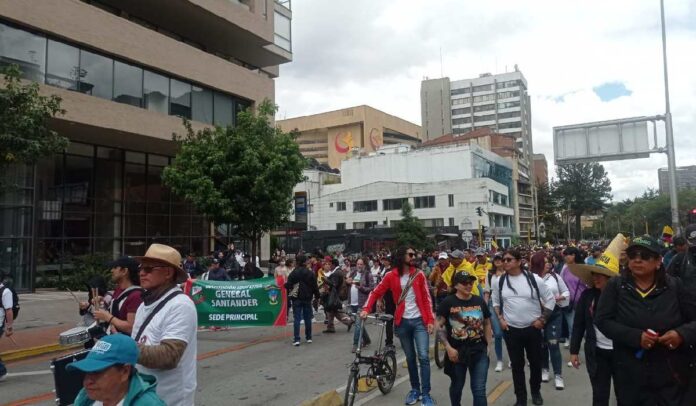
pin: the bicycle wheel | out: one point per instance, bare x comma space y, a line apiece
440, 352
387, 372
351, 388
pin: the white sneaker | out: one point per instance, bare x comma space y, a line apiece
560, 385
296, 343
309, 341
566, 344
570, 364
3, 377
499, 366
510, 364
544, 375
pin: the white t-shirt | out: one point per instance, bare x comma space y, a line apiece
354, 289
176, 320
100, 403
412, 311
6, 303
602, 341
522, 308
558, 287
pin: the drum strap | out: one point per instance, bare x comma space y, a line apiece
118, 302
156, 310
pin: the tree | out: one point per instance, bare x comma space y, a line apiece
582, 188
547, 208
409, 230
24, 133
242, 176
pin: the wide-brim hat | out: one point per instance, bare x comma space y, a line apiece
164, 254
607, 264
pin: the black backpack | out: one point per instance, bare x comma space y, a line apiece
15, 301
530, 280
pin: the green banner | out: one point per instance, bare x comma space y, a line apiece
257, 302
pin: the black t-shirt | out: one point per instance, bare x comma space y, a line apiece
464, 320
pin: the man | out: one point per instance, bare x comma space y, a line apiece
481, 268
6, 320
592, 259
458, 263
216, 272
127, 296
111, 378
251, 270
302, 303
165, 326
439, 287
518, 301
674, 257
334, 281
191, 266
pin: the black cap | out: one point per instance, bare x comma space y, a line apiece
215, 261
647, 242
124, 262
461, 277
690, 233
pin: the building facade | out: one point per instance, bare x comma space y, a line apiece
541, 169
335, 136
686, 178
127, 72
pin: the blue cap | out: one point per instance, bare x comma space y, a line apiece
111, 350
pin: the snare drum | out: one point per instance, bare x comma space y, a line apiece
67, 383
74, 336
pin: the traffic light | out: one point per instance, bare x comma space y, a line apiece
479, 211
691, 217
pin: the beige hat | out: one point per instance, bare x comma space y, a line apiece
607, 264
166, 255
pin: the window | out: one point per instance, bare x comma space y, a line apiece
455, 92
364, 224
507, 105
128, 84
202, 105
433, 222
450, 198
424, 202
509, 114
24, 49
180, 104
451, 221
223, 107
62, 65
515, 124
486, 117
485, 107
239, 107
340, 226
483, 88
282, 31
96, 75
464, 120
465, 100
363, 206
393, 204
465, 110
156, 92
340, 206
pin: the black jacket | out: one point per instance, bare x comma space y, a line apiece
622, 315
583, 326
308, 288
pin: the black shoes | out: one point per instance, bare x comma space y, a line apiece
537, 399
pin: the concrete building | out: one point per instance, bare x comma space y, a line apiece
127, 72
541, 170
334, 136
686, 178
372, 189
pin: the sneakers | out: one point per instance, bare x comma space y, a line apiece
413, 397
309, 341
3, 377
566, 344
560, 385
427, 400
499, 366
544, 375
355, 348
570, 364
537, 399
296, 343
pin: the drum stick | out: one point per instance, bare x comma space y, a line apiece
73, 295
13, 341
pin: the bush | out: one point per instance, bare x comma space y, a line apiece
83, 268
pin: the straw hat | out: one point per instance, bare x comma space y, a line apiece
607, 264
165, 255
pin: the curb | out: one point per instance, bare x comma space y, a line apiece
23, 353
330, 398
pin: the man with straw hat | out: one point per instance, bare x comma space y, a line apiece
165, 326
599, 350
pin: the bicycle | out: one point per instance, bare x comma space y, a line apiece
382, 365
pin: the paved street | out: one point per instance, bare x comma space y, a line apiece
258, 366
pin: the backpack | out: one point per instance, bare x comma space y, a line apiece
15, 301
530, 280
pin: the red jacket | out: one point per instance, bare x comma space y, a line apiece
392, 282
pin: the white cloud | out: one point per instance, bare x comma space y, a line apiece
352, 52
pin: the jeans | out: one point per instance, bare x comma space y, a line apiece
3, 370
478, 369
568, 315
497, 333
550, 347
302, 310
356, 331
601, 379
519, 341
340, 316
410, 332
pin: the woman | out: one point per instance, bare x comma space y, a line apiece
571, 255
361, 284
376, 268
552, 329
465, 328
387, 304
493, 278
334, 279
599, 350
413, 319
642, 313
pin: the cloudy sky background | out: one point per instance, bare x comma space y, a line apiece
354, 52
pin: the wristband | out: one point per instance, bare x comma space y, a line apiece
112, 317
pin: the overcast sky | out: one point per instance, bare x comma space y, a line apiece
584, 61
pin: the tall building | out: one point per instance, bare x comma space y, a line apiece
686, 178
541, 169
127, 72
334, 136
499, 102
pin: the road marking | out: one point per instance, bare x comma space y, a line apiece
46, 372
498, 391
33, 400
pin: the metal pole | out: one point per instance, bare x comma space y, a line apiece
671, 161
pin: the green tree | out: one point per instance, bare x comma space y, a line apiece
582, 188
548, 210
243, 176
24, 113
409, 230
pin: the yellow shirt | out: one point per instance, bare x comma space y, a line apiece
481, 272
464, 266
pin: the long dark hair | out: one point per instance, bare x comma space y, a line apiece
134, 275
398, 260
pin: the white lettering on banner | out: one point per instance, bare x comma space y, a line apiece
234, 303
232, 294
232, 317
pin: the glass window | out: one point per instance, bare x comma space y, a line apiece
451, 200
340, 206
364, 224
239, 106
366, 205
424, 202
340, 226
96, 75
180, 104
62, 65
156, 92
393, 204
223, 110
128, 84
24, 49
202, 105
282, 31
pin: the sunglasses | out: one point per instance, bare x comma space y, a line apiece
644, 255
466, 283
508, 259
411, 254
